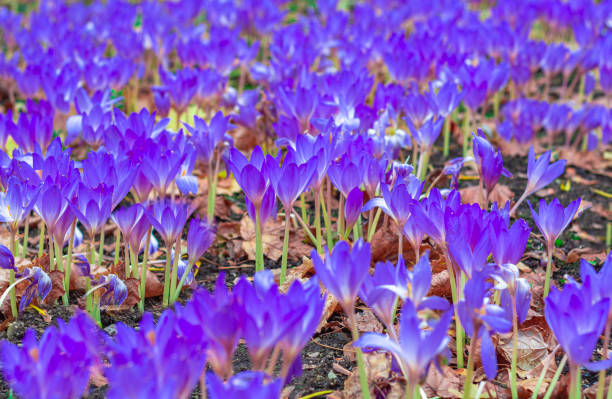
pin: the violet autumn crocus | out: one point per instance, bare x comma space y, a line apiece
490, 164
397, 203
480, 319
342, 273
600, 288
577, 318
415, 349
199, 238
252, 176
289, 182
551, 220
56, 366
168, 218
540, 173
165, 362
251, 384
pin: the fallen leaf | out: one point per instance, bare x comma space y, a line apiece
473, 195
331, 304
133, 297
272, 239
577, 253
591, 392
531, 348
584, 235
57, 286
440, 285
367, 322
445, 385
378, 367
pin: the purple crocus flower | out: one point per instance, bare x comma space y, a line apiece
216, 318
167, 362
577, 318
133, 224
7, 261
17, 202
34, 128
416, 349
289, 180
512, 286
508, 243
168, 218
104, 169
447, 98
352, 207
553, 218
480, 319
344, 270
396, 203
199, 238
92, 207
51, 204
490, 163
600, 282
540, 173
252, 384
381, 300
426, 135
252, 176
56, 366
206, 137
306, 300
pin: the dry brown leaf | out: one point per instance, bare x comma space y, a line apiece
272, 239
228, 230
378, 367
445, 385
473, 195
585, 160
366, 322
228, 186
591, 392
584, 235
57, 286
576, 178
440, 285
300, 272
531, 348
133, 296
331, 304
577, 253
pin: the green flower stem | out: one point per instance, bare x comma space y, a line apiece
26, 236
363, 378
306, 228
602, 374
357, 229
551, 357
13, 297
412, 391
117, 245
466, 131
467, 388
143, 271
166, 293
41, 241
549, 260
126, 259
446, 132
317, 220
68, 267
88, 298
12, 278
423, 164
553, 382
513, 387
341, 216
327, 202
574, 381
496, 100
177, 256
374, 224
283, 273
303, 206
51, 254
326, 220
59, 257
458, 329
101, 250
400, 244
181, 282
259, 260
133, 264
